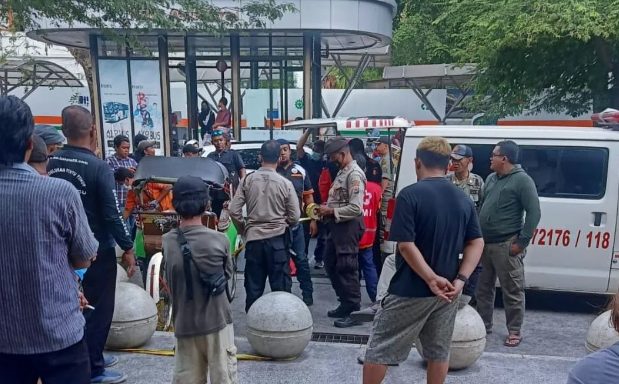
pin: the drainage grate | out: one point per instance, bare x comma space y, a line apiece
324, 337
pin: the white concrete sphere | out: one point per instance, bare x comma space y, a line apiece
468, 340
601, 334
279, 325
135, 318
121, 274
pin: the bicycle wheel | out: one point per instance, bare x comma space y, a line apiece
157, 288
231, 285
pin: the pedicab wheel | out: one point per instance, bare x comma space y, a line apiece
157, 287
231, 285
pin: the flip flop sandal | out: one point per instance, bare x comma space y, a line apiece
509, 342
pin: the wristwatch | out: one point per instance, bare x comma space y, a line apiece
462, 278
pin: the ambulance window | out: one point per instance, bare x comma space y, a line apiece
481, 158
566, 172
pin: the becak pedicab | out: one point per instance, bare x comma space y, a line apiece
155, 223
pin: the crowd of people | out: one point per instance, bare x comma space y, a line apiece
68, 210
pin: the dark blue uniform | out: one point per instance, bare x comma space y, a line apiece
302, 186
95, 183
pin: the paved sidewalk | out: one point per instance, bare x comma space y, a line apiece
553, 343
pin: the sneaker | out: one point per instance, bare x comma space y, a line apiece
319, 265
366, 315
346, 323
309, 301
109, 361
109, 377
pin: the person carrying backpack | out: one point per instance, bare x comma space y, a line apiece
198, 265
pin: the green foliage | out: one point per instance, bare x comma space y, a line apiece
553, 55
416, 40
368, 75
180, 15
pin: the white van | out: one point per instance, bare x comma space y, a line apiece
576, 170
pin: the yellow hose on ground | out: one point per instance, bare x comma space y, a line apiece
167, 352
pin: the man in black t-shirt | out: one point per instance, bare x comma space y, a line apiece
433, 223
232, 161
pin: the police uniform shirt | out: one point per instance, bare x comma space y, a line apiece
300, 181
347, 193
473, 186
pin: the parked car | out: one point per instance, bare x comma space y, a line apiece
575, 247
249, 151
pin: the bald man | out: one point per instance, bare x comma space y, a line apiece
92, 177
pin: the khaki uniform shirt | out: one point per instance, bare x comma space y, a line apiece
388, 173
272, 205
473, 186
347, 193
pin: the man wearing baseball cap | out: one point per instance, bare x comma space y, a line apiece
38, 156
198, 264
473, 186
470, 183
51, 136
190, 150
147, 147
343, 213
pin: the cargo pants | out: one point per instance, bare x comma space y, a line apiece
497, 261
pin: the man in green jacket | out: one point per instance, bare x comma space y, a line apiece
509, 193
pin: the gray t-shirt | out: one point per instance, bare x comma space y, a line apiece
601, 367
210, 251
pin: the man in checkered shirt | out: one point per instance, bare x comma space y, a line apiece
121, 159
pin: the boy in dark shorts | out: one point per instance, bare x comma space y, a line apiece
434, 222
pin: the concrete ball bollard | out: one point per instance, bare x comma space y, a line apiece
121, 274
135, 318
119, 254
279, 325
469, 337
601, 334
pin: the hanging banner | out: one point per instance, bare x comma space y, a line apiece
146, 96
114, 90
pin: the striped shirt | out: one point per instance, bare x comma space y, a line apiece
45, 229
116, 162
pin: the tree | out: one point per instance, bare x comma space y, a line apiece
552, 55
416, 40
179, 15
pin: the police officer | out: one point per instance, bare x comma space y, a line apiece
272, 207
344, 215
462, 177
303, 188
473, 186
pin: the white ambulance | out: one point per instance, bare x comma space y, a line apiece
576, 170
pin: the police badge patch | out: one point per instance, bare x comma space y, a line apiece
355, 186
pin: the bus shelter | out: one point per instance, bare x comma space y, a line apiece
132, 85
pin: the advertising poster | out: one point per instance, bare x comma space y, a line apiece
146, 96
114, 89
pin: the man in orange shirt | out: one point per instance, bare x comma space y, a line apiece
154, 196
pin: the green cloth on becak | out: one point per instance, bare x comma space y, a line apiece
138, 245
232, 234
